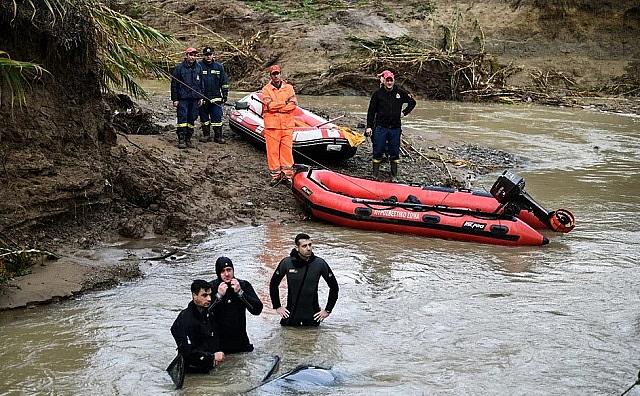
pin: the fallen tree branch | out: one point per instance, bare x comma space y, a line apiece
229, 43
422, 155
50, 256
445, 165
164, 256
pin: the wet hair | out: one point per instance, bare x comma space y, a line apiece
301, 236
198, 285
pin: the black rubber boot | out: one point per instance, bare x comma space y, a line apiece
187, 139
376, 170
206, 134
217, 137
181, 141
394, 171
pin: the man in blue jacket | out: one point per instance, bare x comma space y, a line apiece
216, 89
186, 95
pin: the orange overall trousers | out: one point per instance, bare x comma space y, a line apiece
278, 107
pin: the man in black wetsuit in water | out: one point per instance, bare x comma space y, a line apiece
303, 271
232, 299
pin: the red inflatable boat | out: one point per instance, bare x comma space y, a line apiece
313, 136
506, 216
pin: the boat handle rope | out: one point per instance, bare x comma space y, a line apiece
447, 211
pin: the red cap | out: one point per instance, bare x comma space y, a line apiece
387, 74
190, 50
274, 68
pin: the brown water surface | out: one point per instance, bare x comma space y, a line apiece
415, 315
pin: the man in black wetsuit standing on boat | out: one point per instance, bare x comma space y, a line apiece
303, 271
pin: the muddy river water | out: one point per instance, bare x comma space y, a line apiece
415, 315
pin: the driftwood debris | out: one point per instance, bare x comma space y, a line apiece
161, 257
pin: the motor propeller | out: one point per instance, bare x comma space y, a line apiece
509, 191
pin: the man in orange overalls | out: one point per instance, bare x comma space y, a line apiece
279, 102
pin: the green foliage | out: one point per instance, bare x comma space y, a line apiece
16, 77
18, 262
423, 10
15, 263
425, 7
126, 48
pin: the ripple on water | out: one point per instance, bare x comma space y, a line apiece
415, 315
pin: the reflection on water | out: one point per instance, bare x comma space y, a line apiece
415, 315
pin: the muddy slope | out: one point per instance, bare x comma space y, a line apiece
54, 149
69, 178
572, 47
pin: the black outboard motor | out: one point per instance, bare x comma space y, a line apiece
509, 191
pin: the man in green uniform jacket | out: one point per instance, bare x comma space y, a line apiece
303, 271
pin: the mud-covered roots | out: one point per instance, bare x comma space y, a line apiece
130, 118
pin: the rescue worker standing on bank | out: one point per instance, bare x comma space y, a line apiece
186, 95
303, 271
279, 102
216, 89
383, 120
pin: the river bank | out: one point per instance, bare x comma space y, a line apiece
72, 181
180, 195
489, 319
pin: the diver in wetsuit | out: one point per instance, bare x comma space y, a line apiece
194, 331
303, 271
233, 298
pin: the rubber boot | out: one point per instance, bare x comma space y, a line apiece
218, 138
187, 139
376, 170
181, 143
206, 134
394, 171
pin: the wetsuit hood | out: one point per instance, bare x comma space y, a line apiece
298, 261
